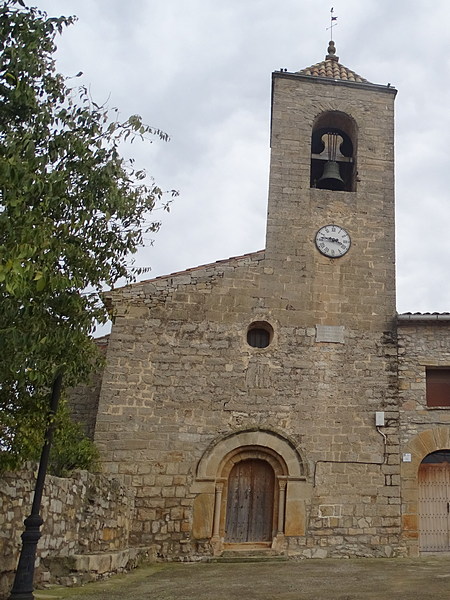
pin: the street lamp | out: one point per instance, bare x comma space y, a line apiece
23, 582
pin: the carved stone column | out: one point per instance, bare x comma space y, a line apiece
281, 505
217, 507
216, 540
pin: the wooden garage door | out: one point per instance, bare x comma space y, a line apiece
249, 516
434, 516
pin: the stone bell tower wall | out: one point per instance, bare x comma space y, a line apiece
358, 288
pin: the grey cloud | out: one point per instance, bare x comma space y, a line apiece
201, 70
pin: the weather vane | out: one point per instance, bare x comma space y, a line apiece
332, 22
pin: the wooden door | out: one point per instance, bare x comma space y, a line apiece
434, 506
250, 499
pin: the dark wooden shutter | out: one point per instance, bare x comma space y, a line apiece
438, 387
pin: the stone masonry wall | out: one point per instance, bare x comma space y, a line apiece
180, 373
83, 514
421, 344
83, 399
358, 289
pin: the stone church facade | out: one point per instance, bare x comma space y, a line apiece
276, 401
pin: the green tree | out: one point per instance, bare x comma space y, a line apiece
72, 210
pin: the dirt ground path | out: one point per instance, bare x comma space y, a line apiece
361, 579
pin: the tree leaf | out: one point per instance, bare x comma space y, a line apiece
72, 211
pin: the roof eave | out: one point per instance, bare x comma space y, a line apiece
329, 81
257, 256
423, 318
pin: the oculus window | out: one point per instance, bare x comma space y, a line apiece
259, 334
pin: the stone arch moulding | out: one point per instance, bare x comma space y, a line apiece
422, 444
210, 486
339, 119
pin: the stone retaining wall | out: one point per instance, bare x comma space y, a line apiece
83, 515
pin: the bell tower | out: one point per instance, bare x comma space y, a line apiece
331, 194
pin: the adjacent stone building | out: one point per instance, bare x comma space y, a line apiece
276, 401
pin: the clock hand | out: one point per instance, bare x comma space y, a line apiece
329, 239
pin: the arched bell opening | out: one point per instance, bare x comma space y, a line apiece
333, 152
434, 502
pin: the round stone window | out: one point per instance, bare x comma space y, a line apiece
259, 334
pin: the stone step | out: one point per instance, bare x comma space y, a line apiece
248, 553
247, 558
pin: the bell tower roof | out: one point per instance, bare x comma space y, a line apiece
331, 68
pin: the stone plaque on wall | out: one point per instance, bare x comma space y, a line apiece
330, 333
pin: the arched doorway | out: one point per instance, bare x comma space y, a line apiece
434, 502
250, 502
265, 460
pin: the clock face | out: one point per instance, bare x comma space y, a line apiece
332, 241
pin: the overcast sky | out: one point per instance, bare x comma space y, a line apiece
201, 71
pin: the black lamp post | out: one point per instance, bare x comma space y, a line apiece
23, 582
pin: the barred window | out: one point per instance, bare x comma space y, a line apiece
259, 334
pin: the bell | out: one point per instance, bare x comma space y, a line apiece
331, 177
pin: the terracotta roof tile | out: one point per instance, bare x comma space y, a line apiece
331, 68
